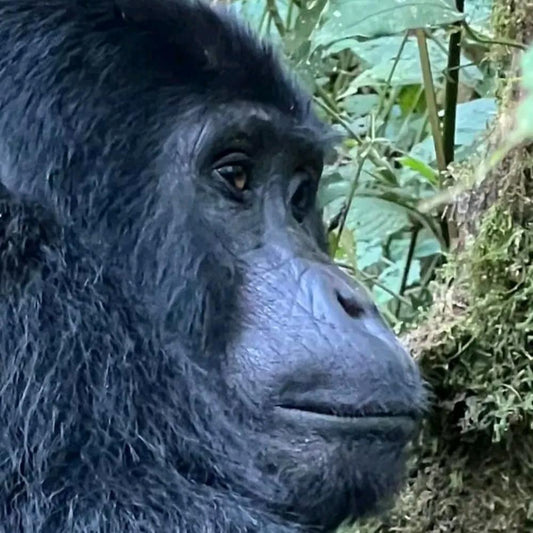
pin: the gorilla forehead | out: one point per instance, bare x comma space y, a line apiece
210, 52
122, 90
207, 129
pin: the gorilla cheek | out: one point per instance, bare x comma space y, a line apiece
334, 393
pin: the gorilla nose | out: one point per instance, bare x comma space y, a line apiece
350, 304
354, 364
334, 298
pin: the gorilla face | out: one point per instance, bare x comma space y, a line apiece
183, 164
330, 394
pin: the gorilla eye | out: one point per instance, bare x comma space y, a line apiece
236, 175
234, 169
303, 198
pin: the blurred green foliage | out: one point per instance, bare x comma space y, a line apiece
361, 60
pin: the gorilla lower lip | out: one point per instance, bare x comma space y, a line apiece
384, 425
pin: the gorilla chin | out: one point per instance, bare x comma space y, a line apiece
349, 467
178, 351
334, 482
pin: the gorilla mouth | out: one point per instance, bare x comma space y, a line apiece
393, 424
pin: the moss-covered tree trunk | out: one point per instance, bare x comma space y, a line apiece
474, 471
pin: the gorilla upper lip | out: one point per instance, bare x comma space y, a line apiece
389, 423
348, 411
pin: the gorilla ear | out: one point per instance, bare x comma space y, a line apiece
187, 24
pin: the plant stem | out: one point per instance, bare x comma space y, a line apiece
452, 87
431, 101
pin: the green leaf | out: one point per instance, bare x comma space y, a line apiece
333, 187
478, 14
249, 10
306, 22
424, 151
369, 253
422, 168
375, 218
346, 248
472, 119
426, 246
380, 54
391, 278
368, 18
411, 98
361, 104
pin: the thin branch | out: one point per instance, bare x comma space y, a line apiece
276, 17
452, 88
407, 268
388, 83
353, 188
373, 156
430, 99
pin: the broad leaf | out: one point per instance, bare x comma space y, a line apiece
369, 253
367, 18
472, 119
380, 55
391, 278
375, 218
421, 168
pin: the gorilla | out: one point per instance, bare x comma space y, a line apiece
177, 351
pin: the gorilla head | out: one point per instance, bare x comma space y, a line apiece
178, 351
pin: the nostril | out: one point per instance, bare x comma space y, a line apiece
350, 305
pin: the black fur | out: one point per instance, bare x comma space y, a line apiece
151, 320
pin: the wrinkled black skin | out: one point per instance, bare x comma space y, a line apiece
151, 317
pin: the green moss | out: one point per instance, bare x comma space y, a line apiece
487, 490
474, 471
483, 365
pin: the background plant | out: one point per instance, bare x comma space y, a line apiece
382, 82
